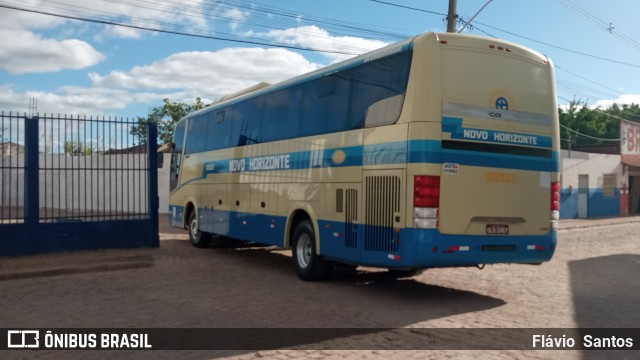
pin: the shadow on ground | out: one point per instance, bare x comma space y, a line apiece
601, 284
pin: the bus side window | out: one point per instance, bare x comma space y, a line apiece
379, 86
247, 122
282, 114
325, 106
196, 134
218, 129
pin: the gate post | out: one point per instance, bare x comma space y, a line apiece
31, 172
152, 196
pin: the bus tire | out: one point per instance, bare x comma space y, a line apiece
198, 238
309, 265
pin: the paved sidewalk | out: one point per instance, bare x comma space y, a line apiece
569, 224
121, 259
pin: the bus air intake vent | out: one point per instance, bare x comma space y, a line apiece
382, 203
339, 200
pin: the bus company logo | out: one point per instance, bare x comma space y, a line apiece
23, 339
502, 103
501, 99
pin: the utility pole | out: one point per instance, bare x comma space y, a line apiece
453, 16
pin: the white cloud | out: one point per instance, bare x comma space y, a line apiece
25, 52
627, 99
210, 74
317, 38
180, 77
75, 100
22, 20
122, 32
236, 17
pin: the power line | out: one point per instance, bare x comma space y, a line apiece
594, 19
589, 136
587, 79
520, 36
560, 47
204, 36
410, 8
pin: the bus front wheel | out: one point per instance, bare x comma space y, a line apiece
197, 237
309, 265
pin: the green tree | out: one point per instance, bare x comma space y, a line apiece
591, 122
77, 148
166, 116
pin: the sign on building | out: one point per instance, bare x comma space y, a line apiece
630, 142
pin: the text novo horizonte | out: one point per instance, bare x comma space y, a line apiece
500, 137
270, 162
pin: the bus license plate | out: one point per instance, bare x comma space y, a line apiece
493, 229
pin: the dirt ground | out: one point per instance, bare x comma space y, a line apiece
592, 281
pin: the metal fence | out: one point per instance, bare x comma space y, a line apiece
66, 170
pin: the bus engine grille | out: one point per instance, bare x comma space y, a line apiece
381, 204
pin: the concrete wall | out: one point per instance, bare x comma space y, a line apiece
163, 183
97, 183
576, 163
99, 189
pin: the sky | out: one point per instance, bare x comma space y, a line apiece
86, 68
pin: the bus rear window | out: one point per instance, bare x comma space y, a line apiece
495, 80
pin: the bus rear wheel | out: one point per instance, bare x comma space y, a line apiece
309, 265
198, 238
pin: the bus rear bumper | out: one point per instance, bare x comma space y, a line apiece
420, 248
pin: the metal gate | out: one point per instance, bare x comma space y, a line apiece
71, 183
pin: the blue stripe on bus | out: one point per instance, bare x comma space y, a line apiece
399, 152
409, 248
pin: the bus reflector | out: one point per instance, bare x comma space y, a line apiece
426, 201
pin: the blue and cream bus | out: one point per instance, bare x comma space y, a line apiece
441, 150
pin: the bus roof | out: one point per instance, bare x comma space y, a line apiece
405, 45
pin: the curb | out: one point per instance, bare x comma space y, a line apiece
597, 223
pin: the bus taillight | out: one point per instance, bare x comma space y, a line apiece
426, 201
555, 204
555, 196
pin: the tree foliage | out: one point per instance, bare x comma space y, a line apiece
166, 116
594, 123
76, 148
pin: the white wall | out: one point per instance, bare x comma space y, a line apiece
163, 184
99, 183
575, 163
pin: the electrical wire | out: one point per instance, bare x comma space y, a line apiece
588, 136
122, 24
594, 19
520, 36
